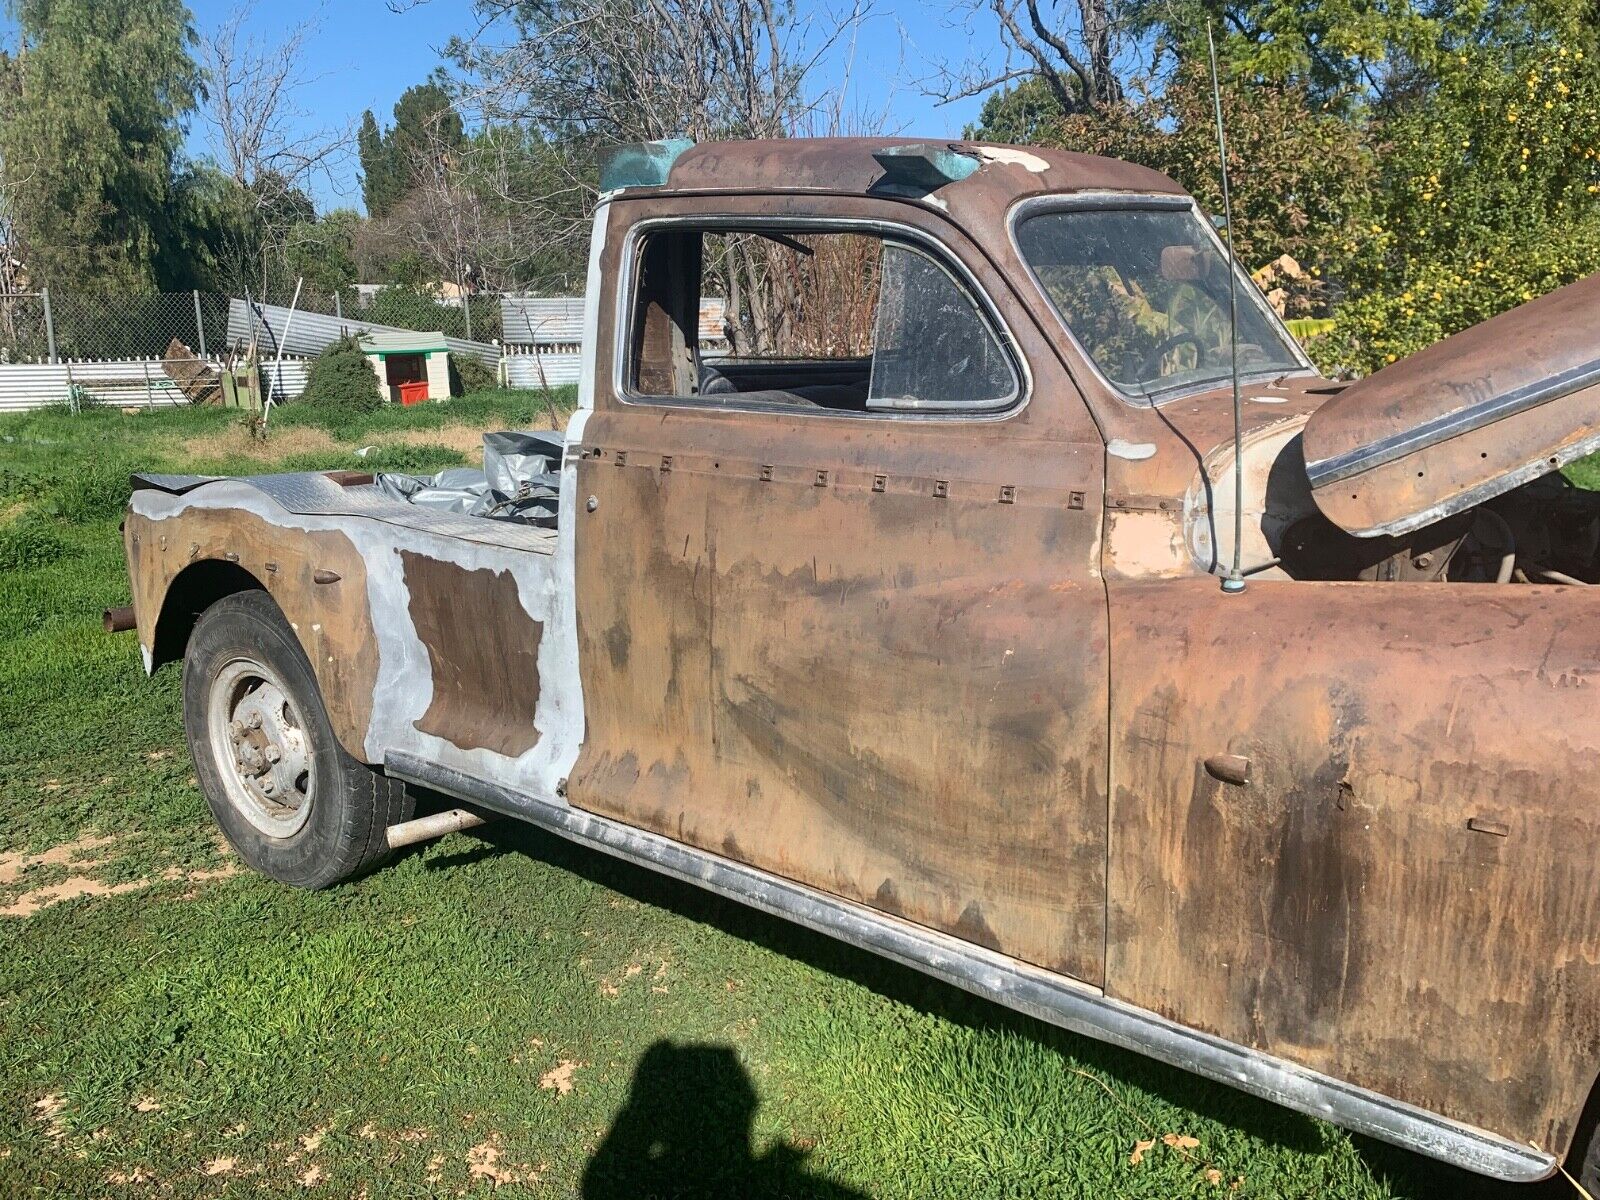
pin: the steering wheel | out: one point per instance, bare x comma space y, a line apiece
1151, 366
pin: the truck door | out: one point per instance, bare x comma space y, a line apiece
840, 614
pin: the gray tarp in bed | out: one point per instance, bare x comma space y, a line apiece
520, 481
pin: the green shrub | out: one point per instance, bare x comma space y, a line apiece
1488, 196
342, 381
467, 374
30, 542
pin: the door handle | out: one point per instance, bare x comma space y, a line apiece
1229, 768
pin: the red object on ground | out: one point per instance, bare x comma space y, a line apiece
413, 393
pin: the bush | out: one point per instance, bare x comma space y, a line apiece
467, 374
1488, 197
342, 381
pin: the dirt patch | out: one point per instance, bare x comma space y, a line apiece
559, 1077
486, 1160
69, 854
236, 442
73, 887
48, 1109
76, 854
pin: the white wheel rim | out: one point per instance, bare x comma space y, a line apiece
261, 748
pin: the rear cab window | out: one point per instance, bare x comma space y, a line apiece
840, 321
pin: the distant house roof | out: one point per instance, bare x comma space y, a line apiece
383, 342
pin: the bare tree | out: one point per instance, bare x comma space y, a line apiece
1073, 49
260, 132
620, 71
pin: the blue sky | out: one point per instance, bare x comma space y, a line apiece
365, 55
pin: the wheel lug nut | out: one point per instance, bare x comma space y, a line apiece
236, 728
273, 754
255, 720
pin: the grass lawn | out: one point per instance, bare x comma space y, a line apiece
503, 1010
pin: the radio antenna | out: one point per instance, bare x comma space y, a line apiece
1233, 581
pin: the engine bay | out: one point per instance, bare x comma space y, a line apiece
1546, 531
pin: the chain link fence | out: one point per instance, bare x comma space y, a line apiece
53, 326
146, 348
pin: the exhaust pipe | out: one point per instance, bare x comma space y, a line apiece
426, 829
118, 620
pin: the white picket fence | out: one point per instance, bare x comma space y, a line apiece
119, 383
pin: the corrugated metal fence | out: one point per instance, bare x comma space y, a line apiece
125, 383
310, 333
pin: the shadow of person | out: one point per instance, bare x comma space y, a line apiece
686, 1131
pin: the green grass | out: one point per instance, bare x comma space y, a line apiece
390, 1037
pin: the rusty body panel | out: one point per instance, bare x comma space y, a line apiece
963, 687
333, 622
485, 671
1339, 907
1463, 420
376, 592
911, 716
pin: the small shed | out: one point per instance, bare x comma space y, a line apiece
410, 366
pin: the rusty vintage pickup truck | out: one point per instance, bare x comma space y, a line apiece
888, 601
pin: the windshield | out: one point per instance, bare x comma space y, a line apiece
1146, 293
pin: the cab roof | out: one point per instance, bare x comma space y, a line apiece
856, 166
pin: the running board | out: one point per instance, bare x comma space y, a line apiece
1052, 998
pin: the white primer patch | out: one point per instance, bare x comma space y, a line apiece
1010, 154
404, 687
1132, 451
1268, 399
546, 587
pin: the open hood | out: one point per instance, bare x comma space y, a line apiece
1466, 419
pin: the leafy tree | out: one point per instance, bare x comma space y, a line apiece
1348, 53
426, 129
1487, 196
1025, 113
90, 136
323, 251
225, 236
378, 187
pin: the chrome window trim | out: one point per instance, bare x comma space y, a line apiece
1056, 999
1002, 409
1151, 201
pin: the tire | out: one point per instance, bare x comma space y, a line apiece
1583, 1159
282, 789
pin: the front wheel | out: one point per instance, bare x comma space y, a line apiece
286, 795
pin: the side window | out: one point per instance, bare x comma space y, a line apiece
829, 321
932, 347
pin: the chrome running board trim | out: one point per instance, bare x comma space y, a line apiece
1074, 1006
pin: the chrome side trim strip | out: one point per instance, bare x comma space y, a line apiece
1053, 998
1454, 424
